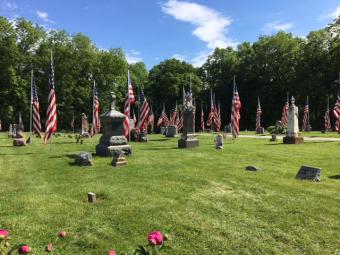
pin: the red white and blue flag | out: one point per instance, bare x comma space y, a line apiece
284, 117
235, 113
95, 111
145, 112
51, 115
336, 113
258, 115
36, 124
327, 118
305, 121
163, 119
129, 99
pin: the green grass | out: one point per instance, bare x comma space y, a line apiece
203, 197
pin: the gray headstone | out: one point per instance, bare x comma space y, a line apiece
91, 197
309, 173
219, 141
253, 168
171, 131
83, 159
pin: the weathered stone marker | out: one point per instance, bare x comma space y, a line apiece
83, 159
293, 135
219, 141
113, 132
91, 197
118, 158
309, 173
171, 131
19, 139
274, 138
188, 137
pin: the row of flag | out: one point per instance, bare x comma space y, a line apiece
146, 116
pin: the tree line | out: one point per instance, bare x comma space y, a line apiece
269, 68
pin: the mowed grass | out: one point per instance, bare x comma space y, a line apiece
304, 134
202, 197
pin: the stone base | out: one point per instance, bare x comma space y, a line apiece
188, 141
108, 151
293, 140
121, 161
309, 173
83, 159
19, 142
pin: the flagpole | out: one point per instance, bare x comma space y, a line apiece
31, 107
129, 81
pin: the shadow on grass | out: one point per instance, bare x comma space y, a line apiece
158, 148
335, 177
159, 140
6, 146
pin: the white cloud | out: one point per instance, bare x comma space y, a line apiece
332, 15
133, 56
200, 59
210, 24
277, 26
179, 57
44, 16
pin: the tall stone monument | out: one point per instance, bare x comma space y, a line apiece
84, 125
293, 135
188, 137
113, 138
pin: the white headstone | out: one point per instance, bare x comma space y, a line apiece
293, 120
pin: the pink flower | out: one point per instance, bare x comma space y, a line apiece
112, 252
62, 233
49, 247
3, 233
155, 238
25, 249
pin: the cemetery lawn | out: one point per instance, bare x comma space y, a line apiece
202, 197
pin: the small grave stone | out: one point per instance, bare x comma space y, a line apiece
118, 158
142, 137
171, 131
219, 142
253, 168
19, 139
309, 173
83, 159
91, 197
274, 138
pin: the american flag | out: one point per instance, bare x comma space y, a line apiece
336, 113
284, 117
173, 116
258, 115
95, 111
151, 120
218, 117
36, 110
145, 112
180, 121
212, 115
129, 99
134, 118
327, 118
235, 113
51, 116
305, 121
163, 119
202, 119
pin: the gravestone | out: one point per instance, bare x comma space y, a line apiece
19, 139
309, 173
83, 159
14, 133
171, 131
84, 126
260, 131
91, 197
118, 158
293, 135
113, 132
219, 141
188, 137
274, 138
142, 137
163, 130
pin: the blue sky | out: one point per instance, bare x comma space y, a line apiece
154, 30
